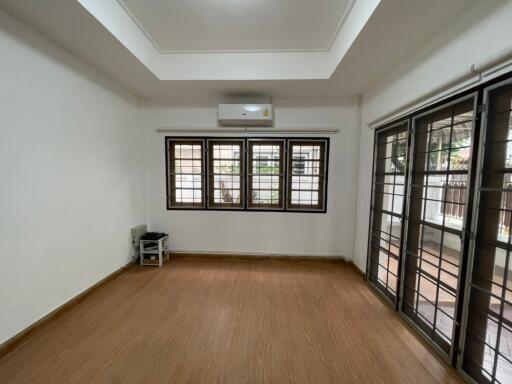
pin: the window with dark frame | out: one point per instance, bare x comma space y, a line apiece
265, 174
185, 173
390, 168
455, 269
487, 352
441, 155
226, 173
307, 174
281, 174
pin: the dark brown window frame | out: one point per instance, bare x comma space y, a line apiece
171, 175
379, 184
466, 285
322, 175
250, 173
418, 258
245, 197
211, 173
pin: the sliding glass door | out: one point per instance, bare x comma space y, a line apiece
390, 167
439, 179
440, 244
487, 347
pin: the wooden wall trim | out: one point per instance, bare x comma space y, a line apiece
13, 342
358, 270
239, 257
248, 258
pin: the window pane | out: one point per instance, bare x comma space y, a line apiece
439, 180
276, 169
185, 173
307, 174
388, 195
266, 174
488, 343
226, 173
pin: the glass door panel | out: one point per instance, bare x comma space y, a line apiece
487, 347
390, 165
439, 180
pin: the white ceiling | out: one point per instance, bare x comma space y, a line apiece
222, 65
238, 25
395, 30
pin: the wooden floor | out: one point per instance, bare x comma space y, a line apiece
266, 321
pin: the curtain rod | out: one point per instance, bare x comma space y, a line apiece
320, 131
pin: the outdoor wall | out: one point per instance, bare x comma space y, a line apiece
70, 166
478, 33
329, 234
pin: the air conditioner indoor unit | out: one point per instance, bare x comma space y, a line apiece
242, 115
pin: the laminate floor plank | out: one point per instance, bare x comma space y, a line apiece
201, 321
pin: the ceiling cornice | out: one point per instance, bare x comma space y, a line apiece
332, 40
232, 65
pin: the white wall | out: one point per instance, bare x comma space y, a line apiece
329, 234
70, 166
74, 157
479, 32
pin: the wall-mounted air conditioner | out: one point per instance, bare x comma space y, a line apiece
242, 115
